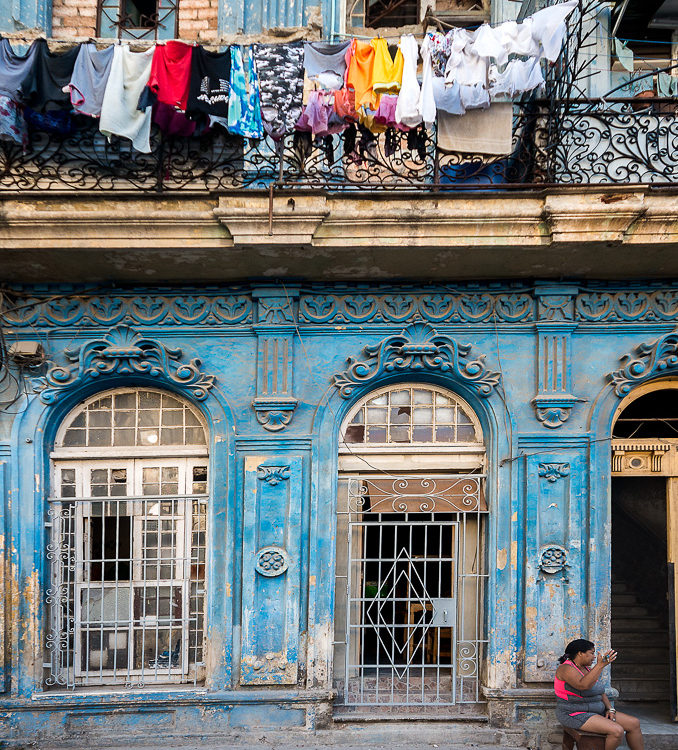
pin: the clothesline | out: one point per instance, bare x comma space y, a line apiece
313, 87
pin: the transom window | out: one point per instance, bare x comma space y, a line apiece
132, 417
412, 414
128, 543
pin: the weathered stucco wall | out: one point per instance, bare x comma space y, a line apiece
538, 376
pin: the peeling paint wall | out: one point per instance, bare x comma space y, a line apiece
271, 353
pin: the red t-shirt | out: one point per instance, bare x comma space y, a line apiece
171, 73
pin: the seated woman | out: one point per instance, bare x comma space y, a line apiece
581, 702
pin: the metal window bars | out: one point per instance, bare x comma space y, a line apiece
126, 599
410, 587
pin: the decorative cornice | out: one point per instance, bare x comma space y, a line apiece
419, 348
432, 307
143, 309
123, 351
645, 362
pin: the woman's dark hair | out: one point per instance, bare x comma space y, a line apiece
576, 647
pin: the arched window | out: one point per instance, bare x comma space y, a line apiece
412, 413
410, 575
128, 542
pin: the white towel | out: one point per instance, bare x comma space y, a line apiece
119, 114
479, 131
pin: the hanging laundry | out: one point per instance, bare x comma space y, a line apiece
407, 109
172, 122
119, 114
319, 116
280, 68
465, 66
43, 86
518, 77
447, 98
89, 79
170, 75
12, 123
387, 73
50, 120
549, 28
325, 64
244, 108
344, 104
210, 82
427, 104
517, 38
385, 116
359, 74
14, 67
439, 47
489, 43
479, 131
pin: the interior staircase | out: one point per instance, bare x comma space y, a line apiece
641, 672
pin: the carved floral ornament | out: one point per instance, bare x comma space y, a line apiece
419, 348
646, 361
553, 472
123, 351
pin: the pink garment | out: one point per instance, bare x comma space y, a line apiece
319, 116
385, 115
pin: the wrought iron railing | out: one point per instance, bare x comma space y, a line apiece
593, 142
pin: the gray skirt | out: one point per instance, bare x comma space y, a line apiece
577, 714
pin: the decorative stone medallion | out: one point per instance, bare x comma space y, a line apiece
272, 561
553, 558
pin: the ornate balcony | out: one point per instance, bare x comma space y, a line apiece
578, 143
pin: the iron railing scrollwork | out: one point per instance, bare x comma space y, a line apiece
595, 143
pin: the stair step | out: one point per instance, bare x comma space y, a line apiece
624, 598
641, 688
646, 669
628, 610
631, 653
636, 624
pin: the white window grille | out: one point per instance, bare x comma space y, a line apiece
410, 574
127, 549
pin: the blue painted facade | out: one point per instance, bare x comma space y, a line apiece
545, 372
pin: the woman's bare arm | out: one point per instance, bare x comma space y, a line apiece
574, 677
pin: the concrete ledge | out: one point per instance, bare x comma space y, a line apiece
553, 233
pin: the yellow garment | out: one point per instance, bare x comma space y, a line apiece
360, 74
387, 74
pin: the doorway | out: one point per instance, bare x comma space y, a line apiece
644, 540
411, 573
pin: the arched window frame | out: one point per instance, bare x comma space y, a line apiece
453, 455
129, 497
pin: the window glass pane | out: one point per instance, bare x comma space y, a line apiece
149, 400
400, 397
100, 419
75, 438
125, 400
99, 438
124, 419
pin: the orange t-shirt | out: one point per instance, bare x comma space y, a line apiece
359, 74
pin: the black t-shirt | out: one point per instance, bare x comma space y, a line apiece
42, 88
210, 82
